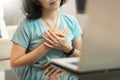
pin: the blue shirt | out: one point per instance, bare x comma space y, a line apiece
29, 35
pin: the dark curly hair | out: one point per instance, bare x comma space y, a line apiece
32, 10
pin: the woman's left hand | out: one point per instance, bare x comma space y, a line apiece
57, 40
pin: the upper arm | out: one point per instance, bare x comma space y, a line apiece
77, 40
20, 41
77, 43
22, 34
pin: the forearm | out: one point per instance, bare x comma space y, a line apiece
76, 53
30, 58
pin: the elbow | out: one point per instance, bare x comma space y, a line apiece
12, 64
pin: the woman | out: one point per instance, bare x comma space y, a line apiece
44, 34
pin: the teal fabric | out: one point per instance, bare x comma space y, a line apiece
29, 35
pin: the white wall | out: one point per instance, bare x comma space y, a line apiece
1, 10
12, 11
70, 8
3, 31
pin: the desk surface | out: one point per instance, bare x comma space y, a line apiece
113, 75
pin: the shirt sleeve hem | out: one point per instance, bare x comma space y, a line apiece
14, 41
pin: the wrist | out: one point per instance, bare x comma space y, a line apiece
67, 49
70, 52
46, 47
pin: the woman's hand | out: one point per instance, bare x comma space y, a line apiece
52, 73
57, 40
62, 33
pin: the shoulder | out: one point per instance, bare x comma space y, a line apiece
23, 26
25, 23
68, 16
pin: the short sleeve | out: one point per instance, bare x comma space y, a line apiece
77, 30
21, 35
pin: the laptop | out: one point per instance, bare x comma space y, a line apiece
100, 52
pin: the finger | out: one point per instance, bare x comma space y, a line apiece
53, 34
55, 72
47, 68
50, 71
62, 73
59, 34
51, 37
52, 77
65, 32
48, 45
48, 40
51, 74
47, 64
47, 78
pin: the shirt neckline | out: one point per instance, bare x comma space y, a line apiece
41, 24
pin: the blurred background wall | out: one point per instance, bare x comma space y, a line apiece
12, 11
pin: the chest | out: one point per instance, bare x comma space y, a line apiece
38, 31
